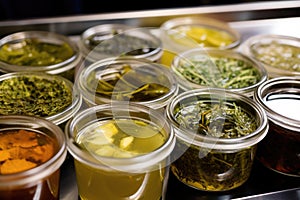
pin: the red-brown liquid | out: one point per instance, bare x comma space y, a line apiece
280, 150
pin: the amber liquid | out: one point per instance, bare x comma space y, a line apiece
47, 189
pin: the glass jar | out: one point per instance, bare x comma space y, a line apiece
38, 94
225, 69
33, 172
39, 51
126, 79
112, 40
279, 54
120, 152
217, 133
280, 150
184, 33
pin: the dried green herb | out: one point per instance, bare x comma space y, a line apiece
33, 95
34, 52
220, 72
132, 84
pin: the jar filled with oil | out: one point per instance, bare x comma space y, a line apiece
120, 151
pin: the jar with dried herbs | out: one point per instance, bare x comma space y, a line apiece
38, 94
217, 134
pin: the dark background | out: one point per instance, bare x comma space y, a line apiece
28, 9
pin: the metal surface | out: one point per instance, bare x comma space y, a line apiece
74, 25
278, 17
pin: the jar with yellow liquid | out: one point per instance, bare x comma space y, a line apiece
120, 152
184, 33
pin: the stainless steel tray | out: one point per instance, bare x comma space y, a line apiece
277, 17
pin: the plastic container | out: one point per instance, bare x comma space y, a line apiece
34, 172
111, 40
127, 79
183, 33
217, 135
39, 94
279, 151
225, 69
120, 151
279, 54
39, 51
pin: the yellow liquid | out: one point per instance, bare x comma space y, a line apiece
201, 35
97, 184
120, 139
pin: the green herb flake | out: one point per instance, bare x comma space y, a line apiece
34, 96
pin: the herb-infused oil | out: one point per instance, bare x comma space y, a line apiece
217, 134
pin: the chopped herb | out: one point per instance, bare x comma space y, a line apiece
33, 95
219, 72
